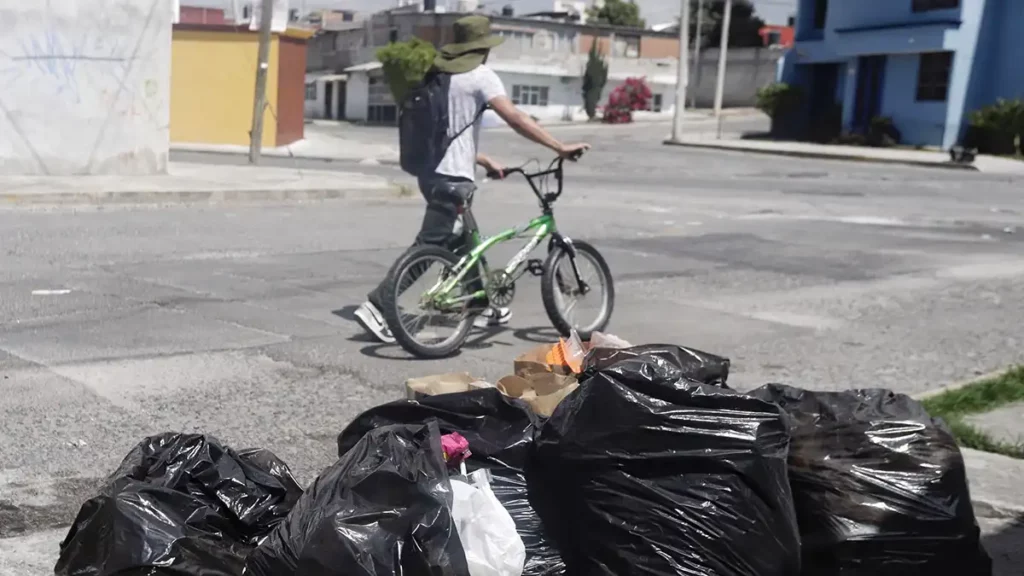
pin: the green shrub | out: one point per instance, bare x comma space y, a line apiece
778, 99
882, 132
998, 128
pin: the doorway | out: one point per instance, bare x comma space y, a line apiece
826, 115
342, 93
328, 98
870, 82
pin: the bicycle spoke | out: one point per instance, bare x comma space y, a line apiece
422, 319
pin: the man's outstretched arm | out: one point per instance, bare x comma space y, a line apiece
529, 129
490, 165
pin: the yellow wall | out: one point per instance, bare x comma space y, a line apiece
213, 75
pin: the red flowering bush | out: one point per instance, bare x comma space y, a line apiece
625, 99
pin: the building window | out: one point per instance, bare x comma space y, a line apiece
626, 47
933, 76
382, 114
530, 95
311, 91
393, 35
928, 5
656, 103
820, 14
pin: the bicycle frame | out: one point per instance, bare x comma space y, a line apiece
542, 227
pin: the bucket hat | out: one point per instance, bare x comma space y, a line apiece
473, 40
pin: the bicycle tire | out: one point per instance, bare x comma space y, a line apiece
391, 312
548, 290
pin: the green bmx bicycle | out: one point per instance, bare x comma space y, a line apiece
434, 319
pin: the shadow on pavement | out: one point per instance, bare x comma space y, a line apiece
1005, 545
479, 339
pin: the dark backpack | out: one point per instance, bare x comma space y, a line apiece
423, 125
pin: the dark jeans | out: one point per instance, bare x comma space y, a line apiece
446, 197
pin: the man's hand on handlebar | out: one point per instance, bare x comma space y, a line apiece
495, 170
573, 151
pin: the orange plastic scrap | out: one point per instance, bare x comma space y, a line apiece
565, 354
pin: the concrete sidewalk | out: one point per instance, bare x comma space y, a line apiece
318, 144
931, 159
191, 183
995, 484
330, 140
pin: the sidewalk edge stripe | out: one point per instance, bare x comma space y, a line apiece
824, 156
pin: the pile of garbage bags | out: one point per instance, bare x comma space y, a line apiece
180, 504
603, 459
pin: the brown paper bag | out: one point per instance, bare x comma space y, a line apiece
545, 405
535, 362
441, 384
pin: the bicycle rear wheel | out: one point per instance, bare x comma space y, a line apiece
420, 326
565, 303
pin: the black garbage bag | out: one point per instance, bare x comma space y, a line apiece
500, 433
694, 364
179, 504
384, 509
880, 487
642, 471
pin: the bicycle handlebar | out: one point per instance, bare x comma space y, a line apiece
554, 169
519, 170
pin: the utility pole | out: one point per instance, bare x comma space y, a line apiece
262, 68
683, 77
696, 51
723, 55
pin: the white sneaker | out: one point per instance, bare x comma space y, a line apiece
493, 317
370, 318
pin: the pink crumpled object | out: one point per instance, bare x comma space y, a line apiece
456, 448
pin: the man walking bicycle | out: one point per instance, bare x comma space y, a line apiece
464, 86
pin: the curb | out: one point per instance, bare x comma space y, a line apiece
824, 156
995, 510
958, 385
392, 190
314, 158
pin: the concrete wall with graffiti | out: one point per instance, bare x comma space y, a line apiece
85, 86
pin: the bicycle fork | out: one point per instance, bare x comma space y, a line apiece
566, 244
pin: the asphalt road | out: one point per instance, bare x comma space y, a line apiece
235, 320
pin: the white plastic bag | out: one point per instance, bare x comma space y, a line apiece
488, 534
601, 340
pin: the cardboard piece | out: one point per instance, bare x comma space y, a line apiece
443, 384
541, 392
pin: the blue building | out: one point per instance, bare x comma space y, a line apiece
924, 63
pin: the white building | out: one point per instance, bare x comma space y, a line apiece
541, 62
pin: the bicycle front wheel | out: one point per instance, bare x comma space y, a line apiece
568, 305
423, 326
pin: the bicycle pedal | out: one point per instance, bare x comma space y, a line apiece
535, 267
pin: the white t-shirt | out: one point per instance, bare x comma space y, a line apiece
468, 94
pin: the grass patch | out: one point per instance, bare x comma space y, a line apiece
977, 398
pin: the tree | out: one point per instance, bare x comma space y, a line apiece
744, 31
594, 79
405, 64
617, 13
